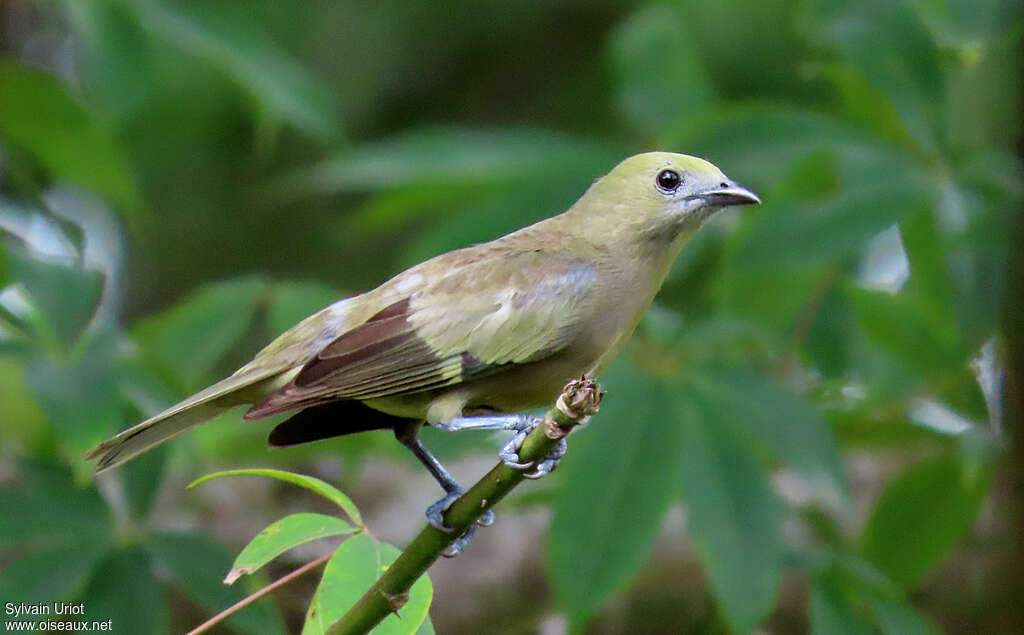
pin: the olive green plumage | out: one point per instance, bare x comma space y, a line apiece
494, 327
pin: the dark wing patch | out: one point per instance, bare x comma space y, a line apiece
329, 420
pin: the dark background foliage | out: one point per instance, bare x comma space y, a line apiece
808, 433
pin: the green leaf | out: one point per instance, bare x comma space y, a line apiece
5, 266
279, 537
920, 334
195, 561
617, 484
438, 157
353, 569
897, 617
38, 115
79, 396
651, 90
57, 574
734, 516
294, 301
141, 480
311, 483
227, 37
923, 243
66, 296
831, 610
907, 68
759, 143
195, 334
780, 420
49, 509
123, 589
921, 515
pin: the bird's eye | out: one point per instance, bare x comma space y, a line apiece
668, 180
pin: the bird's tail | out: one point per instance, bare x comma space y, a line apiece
198, 408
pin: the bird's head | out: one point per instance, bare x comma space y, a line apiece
661, 194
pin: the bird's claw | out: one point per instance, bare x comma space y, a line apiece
435, 516
509, 455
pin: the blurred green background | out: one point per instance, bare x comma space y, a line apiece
808, 434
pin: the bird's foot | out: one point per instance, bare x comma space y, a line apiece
435, 516
509, 455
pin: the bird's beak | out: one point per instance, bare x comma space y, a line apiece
729, 194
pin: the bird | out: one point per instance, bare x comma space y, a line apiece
471, 338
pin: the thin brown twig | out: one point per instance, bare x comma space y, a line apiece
228, 612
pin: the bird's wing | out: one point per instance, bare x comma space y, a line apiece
471, 320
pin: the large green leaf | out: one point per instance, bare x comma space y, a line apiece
52, 575
124, 590
228, 38
921, 515
39, 116
453, 156
353, 569
311, 483
733, 515
906, 67
831, 609
195, 563
141, 480
918, 333
67, 296
191, 338
778, 419
79, 395
291, 531
660, 78
49, 509
618, 480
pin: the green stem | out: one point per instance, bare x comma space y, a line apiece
579, 399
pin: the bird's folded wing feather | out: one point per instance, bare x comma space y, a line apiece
464, 321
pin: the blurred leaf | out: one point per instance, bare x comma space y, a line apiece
294, 301
195, 562
921, 515
228, 38
918, 333
831, 613
437, 157
660, 78
194, 335
778, 419
426, 628
759, 143
617, 484
38, 115
906, 67
923, 243
57, 574
776, 296
5, 266
353, 569
291, 531
492, 216
49, 509
311, 483
141, 479
21, 418
734, 516
827, 231
79, 395
896, 617
116, 60
67, 296
124, 590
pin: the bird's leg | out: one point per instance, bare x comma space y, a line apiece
408, 435
509, 454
